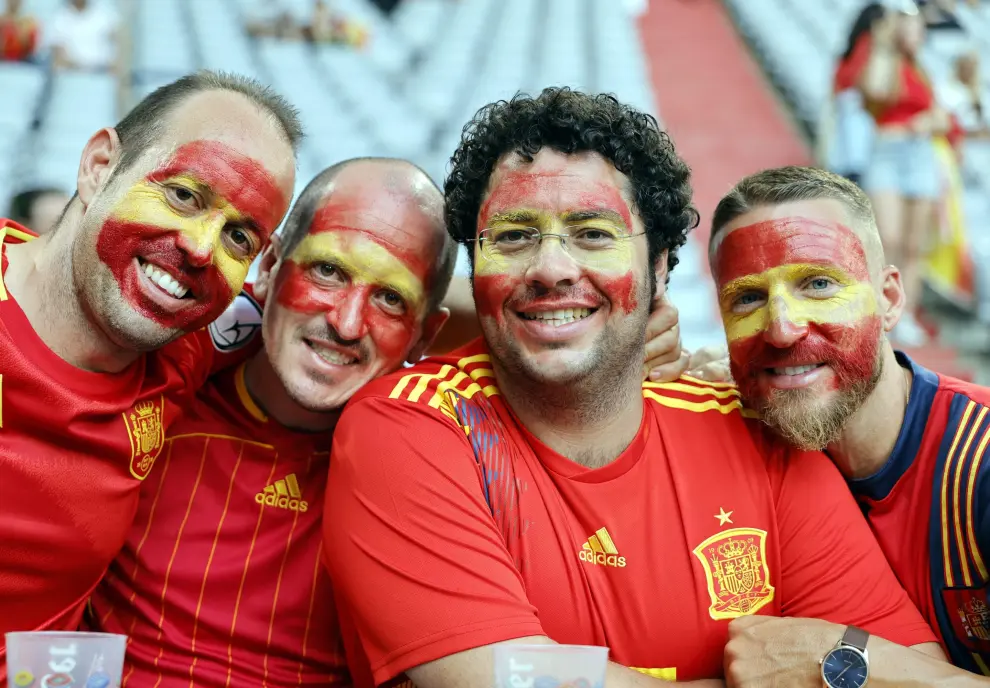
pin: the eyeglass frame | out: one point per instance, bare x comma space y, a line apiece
480, 239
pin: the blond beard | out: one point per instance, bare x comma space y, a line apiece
795, 416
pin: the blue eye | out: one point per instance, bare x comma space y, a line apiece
747, 299
820, 283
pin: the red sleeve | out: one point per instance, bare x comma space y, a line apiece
831, 565
416, 558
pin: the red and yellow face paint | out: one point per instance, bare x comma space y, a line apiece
202, 218
796, 292
550, 201
364, 268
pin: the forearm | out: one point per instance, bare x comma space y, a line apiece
896, 666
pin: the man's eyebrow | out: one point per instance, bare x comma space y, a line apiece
246, 219
602, 214
516, 216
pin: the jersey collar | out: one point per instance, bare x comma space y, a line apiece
923, 387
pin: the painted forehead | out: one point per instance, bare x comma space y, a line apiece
240, 180
400, 220
759, 247
562, 190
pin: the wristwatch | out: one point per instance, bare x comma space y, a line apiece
847, 665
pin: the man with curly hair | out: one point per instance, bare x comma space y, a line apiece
530, 488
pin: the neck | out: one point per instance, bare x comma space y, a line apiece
268, 392
868, 438
590, 422
40, 277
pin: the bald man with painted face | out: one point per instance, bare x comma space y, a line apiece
220, 581
807, 300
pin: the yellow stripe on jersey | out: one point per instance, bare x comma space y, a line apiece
970, 524
957, 501
722, 393
662, 674
699, 381
700, 406
245, 396
946, 554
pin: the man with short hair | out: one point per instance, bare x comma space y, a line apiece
220, 581
531, 488
807, 300
171, 207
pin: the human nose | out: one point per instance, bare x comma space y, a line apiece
199, 241
785, 328
552, 265
348, 317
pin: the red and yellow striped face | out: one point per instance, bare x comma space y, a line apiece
798, 307
180, 241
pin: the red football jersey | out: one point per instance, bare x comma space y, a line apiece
74, 448
220, 582
462, 529
926, 506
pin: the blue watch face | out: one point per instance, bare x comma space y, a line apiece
845, 668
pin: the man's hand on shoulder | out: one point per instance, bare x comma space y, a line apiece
665, 359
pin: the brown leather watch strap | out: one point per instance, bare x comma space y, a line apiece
856, 637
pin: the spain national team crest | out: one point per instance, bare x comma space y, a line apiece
970, 616
147, 434
735, 566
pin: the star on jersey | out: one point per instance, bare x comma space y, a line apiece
238, 324
723, 516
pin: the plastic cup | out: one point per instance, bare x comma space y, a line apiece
550, 666
65, 660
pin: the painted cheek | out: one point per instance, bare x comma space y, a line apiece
392, 336
491, 292
300, 294
849, 349
622, 292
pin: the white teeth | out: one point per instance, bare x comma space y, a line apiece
559, 317
794, 370
332, 356
165, 281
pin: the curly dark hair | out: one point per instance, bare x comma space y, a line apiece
571, 122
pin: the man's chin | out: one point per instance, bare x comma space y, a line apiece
808, 420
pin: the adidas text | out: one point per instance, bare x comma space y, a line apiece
602, 559
289, 503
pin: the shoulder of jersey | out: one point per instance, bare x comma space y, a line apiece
465, 372
238, 325
697, 396
981, 395
15, 233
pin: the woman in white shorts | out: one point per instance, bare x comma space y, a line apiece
902, 177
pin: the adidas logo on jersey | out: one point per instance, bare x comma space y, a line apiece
283, 494
599, 550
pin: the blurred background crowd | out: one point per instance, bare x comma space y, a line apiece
892, 94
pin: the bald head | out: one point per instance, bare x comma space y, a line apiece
393, 199
798, 192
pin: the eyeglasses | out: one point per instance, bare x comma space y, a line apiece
587, 245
